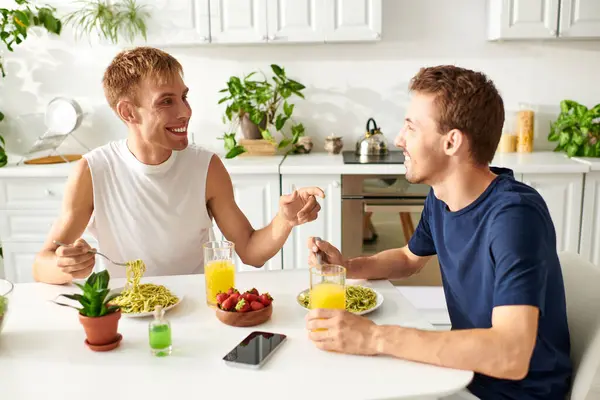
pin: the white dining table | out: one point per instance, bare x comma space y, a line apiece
43, 355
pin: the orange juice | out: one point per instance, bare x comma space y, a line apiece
328, 295
219, 276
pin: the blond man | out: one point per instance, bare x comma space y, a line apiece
153, 196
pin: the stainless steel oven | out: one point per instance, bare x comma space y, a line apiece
381, 212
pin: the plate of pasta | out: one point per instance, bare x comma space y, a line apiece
360, 300
140, 299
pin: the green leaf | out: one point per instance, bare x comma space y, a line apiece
108, 299
567, 105
588, 150
278, 70
572, 150
230, 141
295, 86
236, 151
280, 122
286, 92
76, 297
111, 309
1, 116
223, 100
103, 279
565, 138
288, 109
284, 143
256, 116
266, 135
578, 139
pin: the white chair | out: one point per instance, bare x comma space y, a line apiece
582, 287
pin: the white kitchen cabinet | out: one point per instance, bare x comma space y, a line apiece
258, 198
238, 21
590, 221
296, 20
563, 195
522, 19
176, 22
353, 20
579, 19
328, 226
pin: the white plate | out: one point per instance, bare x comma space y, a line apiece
150, 313
379, 301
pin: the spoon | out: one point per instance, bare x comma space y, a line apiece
318, 253
91, 251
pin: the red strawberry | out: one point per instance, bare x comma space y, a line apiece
257, 305
250, 297
232, 291
236, 297
253, 291
243, 306
265, 299
228, 304
221, 297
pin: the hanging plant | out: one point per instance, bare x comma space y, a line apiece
123, 19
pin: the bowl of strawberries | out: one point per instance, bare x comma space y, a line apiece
249, 308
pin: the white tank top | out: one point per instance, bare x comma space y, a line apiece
156, 213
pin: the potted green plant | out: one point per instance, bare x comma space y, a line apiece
577, 130
99, 318
15, 24
261, 108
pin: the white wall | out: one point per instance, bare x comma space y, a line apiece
346, 83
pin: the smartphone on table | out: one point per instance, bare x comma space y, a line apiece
254, 350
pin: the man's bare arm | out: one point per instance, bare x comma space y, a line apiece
78, 204
503, 351
254, 247
388, 264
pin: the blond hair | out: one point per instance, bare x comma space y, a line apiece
126, 71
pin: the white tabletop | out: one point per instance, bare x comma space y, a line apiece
42, 354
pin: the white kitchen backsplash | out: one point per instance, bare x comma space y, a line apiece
346, 83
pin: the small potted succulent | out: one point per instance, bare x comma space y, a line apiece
99, 318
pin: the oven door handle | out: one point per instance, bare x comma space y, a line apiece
395, 208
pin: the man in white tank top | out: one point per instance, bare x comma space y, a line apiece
153, 196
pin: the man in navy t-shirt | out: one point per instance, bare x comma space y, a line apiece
496, 246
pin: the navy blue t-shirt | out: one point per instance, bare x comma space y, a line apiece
501, 250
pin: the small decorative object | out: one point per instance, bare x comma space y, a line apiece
254, 106
248, 309
525, 130
99, 318
63, 116
159, 333
304, 145
111, 20
333, 144
577, 130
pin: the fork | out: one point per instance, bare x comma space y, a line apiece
56, 242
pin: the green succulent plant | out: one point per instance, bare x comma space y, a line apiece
95, 298
577, 130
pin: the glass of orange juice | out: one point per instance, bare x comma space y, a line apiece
219, 270
328, 286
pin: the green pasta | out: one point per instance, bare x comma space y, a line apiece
138, 298
358, 298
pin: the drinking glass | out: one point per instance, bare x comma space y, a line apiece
219, 269
328, 286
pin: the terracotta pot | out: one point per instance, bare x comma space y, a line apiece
250, 129
101, 330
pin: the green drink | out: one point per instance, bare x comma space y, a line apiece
159, 334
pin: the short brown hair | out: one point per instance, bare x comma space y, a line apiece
129, 67
465, 100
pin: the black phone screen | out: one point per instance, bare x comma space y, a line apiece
255, 348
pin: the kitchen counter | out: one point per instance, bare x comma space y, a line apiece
325, 163
594, 163
520, 163
240, 166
